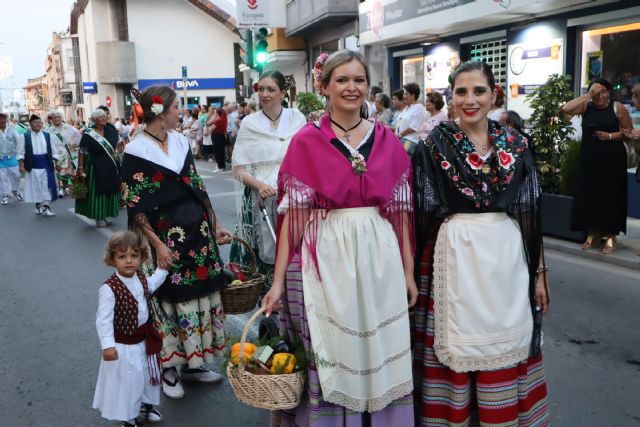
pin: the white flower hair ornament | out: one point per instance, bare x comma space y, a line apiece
157, 105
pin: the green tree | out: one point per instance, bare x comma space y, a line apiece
551, 129
308, 102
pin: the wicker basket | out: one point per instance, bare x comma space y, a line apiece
264, 391
243, 298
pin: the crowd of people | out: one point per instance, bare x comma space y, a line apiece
385, 207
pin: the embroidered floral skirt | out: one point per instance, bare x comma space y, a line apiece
512, 396
193, 332
96, 206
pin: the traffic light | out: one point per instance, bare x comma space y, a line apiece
260, 48
246, 47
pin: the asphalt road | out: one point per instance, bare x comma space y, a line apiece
50, 271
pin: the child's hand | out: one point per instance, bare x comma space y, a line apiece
109, 354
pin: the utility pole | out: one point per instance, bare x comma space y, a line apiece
184, 88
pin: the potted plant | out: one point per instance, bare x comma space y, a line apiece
308, 102
551, 131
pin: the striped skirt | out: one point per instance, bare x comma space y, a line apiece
313, 411
513, 396
96, 206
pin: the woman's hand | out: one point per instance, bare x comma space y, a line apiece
596, 89
632, 133
602, 136
272, 301
265, 191
164, 256
541, 295
109, 354
223, 236
412, 290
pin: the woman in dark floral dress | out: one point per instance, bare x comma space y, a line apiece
167, 202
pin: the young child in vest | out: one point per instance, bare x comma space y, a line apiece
128, 380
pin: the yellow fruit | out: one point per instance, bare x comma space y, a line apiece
236, 282
249, 349
283, 363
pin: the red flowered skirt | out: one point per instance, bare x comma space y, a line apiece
513, 396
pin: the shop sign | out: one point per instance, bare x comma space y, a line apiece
380, 15
191, 84
530, 64
261, 13
90, 87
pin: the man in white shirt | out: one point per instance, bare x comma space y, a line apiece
9, 172
412, 118
38, 159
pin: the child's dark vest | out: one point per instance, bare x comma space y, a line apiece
125, 322
125, 316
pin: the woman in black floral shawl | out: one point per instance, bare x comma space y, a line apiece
167, 202
480, 268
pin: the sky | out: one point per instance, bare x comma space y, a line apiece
25, 34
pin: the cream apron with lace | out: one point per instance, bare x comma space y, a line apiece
357, 313
482, 312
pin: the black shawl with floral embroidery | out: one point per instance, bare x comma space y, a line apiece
450, 177
178, 209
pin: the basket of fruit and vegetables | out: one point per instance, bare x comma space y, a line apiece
245, 289
268, 376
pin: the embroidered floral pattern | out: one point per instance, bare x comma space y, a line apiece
194, 179
131, 194
476, 178
206, 260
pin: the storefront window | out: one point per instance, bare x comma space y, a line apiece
612, 53
493, 53
413, 71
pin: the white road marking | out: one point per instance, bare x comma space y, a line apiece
106, 232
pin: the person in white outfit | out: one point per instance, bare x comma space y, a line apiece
38, 159
69, 138
129, 378
9, 172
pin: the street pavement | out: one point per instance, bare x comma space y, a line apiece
50, 271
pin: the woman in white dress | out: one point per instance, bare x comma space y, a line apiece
262, 142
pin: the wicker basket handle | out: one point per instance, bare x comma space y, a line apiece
243, 337
252, 254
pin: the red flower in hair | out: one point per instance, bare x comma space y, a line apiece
157, 100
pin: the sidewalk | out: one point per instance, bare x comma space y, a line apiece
626, 254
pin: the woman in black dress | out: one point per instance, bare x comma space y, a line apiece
600, 202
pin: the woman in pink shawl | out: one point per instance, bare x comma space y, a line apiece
344, 265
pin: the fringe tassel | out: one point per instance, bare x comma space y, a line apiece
155, 368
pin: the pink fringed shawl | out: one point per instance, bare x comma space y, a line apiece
316, 178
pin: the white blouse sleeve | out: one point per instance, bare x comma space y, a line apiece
104, 317
302, 200
156, 279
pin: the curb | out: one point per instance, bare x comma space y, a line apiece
624, 256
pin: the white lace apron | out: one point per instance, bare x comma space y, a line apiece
357, 314
482, 311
